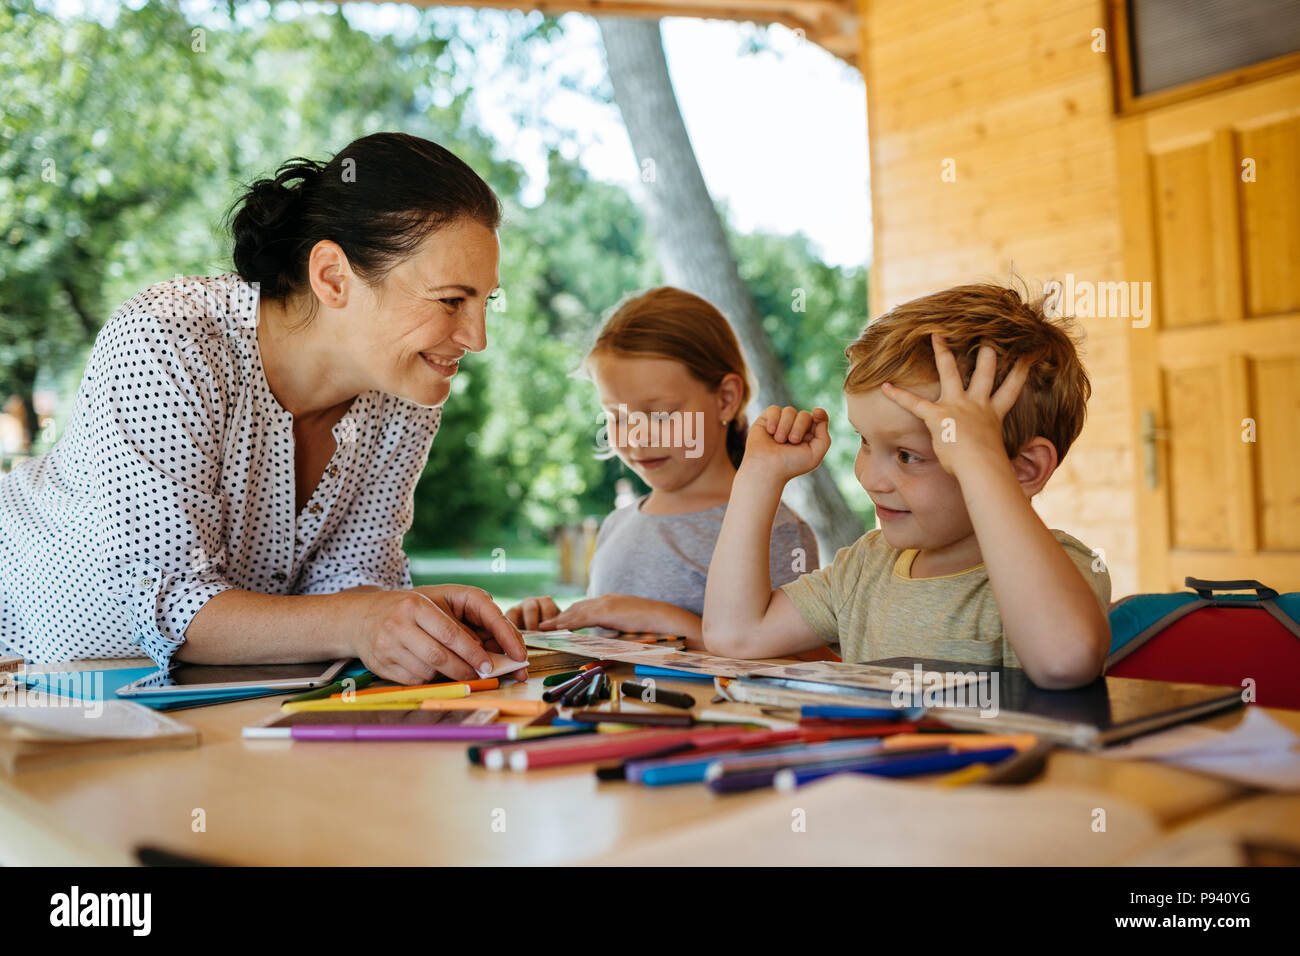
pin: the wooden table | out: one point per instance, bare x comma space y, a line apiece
284, 803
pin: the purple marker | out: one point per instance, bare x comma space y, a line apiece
403, 732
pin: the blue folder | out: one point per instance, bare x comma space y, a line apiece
83, 689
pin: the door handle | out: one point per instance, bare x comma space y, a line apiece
1150, 454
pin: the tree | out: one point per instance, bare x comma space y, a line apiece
692, 244
77, 188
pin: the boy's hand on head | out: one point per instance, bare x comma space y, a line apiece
785, 442
965, 423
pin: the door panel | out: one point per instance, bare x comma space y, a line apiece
1210, 200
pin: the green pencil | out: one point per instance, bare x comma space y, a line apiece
338, 687
552, 679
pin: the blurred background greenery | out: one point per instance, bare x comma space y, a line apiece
121, 149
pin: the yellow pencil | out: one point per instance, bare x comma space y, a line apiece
959, 778
513, 706
417, 694
334, 705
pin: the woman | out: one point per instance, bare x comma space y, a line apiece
238, 470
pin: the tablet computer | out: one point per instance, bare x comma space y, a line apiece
182, 678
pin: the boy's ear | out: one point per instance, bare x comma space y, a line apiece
1034, 465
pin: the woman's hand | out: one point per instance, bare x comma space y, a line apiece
784, 443
412, 636
623, 612
530, 612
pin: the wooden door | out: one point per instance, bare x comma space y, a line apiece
1210, 201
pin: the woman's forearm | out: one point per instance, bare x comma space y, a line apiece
246, 627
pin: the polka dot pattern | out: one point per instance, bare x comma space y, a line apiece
174, 481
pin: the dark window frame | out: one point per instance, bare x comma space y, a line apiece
1126, 102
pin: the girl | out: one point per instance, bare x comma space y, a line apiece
673, 383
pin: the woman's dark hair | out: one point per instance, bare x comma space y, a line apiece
378, 199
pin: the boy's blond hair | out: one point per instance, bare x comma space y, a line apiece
896, 348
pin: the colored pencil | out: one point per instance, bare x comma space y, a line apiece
909, 766
631, 717
374, 732
336, 687
511, 706
482, 683
554, 753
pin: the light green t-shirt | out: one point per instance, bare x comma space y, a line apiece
867, 600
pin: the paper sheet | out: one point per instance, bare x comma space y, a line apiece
117, 719
1258, 752
502, 664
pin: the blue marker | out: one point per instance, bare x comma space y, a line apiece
792, 777
832, 712
644, 670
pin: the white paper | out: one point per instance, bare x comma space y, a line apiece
1258, 752
501, 664
116, 719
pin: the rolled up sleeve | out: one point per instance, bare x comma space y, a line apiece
157, 437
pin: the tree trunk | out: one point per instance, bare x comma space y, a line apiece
23, 379
692, 245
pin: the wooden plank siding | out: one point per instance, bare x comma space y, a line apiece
1012, 92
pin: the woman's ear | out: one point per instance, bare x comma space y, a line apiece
730, 391
1034, 465
329, 274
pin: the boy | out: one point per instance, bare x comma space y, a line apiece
966, 401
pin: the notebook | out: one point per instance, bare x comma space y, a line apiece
103, 685
1108, 710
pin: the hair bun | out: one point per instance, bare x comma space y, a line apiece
409, 189
269, 223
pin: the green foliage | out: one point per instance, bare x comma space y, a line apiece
154, 122
93, 167
811, 311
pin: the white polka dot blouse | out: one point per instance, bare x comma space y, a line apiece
174, 481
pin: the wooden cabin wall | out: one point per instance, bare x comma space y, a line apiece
1014, 95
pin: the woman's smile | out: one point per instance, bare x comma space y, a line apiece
441, 365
